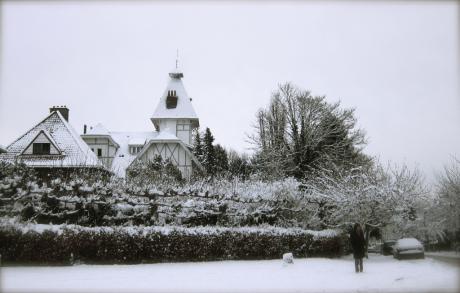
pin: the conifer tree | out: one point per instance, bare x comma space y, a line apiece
221, 159
198, 146
209, 156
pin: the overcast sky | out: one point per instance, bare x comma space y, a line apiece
396, 63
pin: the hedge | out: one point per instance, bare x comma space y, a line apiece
63, 245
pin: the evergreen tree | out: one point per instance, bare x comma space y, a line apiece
198, 146
221, 164
209, 156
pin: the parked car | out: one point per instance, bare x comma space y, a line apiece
387, 247
408, 248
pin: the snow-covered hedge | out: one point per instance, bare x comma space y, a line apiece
64, 244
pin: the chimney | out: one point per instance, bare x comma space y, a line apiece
63, 110
84, 129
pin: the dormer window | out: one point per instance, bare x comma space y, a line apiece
171, 100
41, 149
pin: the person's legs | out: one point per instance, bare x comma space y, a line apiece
356, 265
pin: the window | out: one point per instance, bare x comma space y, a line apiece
99, 152
41, 149
135, 149
92, 150
182, 125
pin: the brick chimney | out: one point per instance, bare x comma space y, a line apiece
63, 110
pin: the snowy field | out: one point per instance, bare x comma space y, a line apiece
381, 274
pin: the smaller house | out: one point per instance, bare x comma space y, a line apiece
52, 146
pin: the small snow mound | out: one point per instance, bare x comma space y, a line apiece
288, 258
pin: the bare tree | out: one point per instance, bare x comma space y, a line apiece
299, 133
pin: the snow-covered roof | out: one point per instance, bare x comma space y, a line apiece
166, 135
74, 152
123, 157
137, 141
99, 129
184, 108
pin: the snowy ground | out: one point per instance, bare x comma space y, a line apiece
382, 274
451, 254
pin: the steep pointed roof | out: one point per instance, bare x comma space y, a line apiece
74, 152
183, 109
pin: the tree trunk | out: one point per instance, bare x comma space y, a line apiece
366, 239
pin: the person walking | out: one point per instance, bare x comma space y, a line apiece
358, 244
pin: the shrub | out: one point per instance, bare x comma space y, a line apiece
28, 244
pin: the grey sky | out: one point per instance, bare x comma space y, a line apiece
396, 63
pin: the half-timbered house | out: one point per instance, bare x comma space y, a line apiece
173, 121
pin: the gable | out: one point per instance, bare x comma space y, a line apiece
173, 150
42, 138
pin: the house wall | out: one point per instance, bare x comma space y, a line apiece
184, 131
170, 151
168, 124
41, 138
108, 149
182, 128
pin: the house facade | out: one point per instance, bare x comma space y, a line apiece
173, 119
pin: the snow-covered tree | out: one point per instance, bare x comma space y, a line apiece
299, 133
376, 197
448, 189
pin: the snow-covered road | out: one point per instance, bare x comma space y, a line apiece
382, 274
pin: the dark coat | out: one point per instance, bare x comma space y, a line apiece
358, 244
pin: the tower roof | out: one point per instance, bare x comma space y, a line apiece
181, 106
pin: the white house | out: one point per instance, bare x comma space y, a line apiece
174, 119
52, 144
